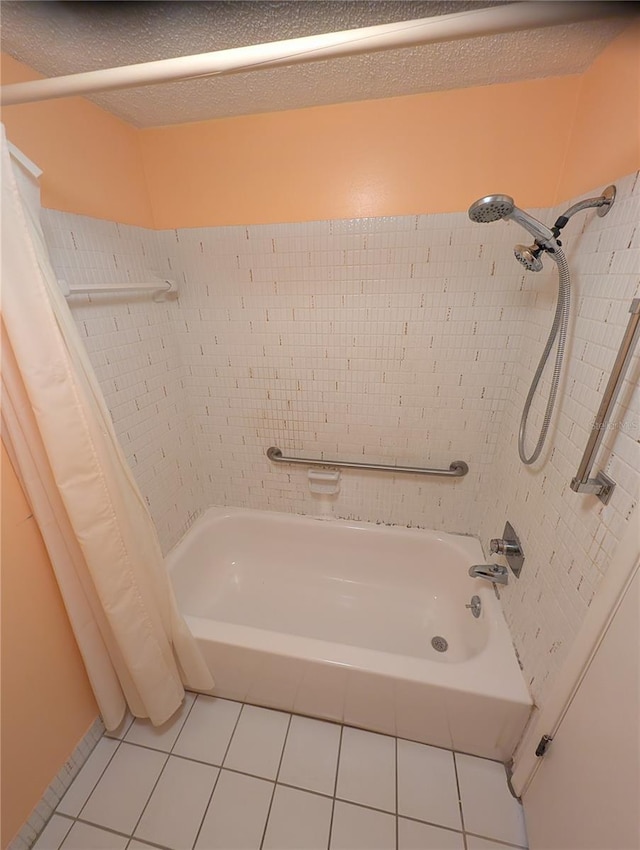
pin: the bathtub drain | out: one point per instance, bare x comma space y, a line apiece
439, 644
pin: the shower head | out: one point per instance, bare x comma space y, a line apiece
491, 208
495, 207
529, 257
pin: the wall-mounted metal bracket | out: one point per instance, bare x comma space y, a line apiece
601, 486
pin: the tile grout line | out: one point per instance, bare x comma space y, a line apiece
155, 785
397, 813
335, 784
497, 841
98, 779
166, 762
301, 788
72, 820
184, 723
455, 769
78, 819
215, 784
101, 826
275, 781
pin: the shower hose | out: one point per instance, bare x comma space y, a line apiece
559, 331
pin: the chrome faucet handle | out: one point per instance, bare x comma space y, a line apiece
504, 547
475, 606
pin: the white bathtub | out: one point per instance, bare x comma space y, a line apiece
335, 619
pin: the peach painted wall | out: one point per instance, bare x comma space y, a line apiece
91, 159
47, 704
424, 153
541, 141
605, 139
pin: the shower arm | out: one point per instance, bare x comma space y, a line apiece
547, 238
602, 205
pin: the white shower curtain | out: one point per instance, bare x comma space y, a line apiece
102, 542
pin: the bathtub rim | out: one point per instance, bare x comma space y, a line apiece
478, 673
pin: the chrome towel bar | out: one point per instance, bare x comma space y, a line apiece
457, 468
602, 486
162, 290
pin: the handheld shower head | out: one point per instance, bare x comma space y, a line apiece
529, 257
491, 208
495, 207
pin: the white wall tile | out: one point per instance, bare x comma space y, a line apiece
569, 538
408, 340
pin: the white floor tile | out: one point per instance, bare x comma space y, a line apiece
53, 834
80, 789
163, 737
488, 807
420, 836
311, 755
257, 743
367, 769
134, 844
355, 828
237, 815
206, 734
125, 787
178, 803
475, 843
85, 837
298, 821
427, 787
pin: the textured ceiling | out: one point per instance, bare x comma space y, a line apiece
59, 38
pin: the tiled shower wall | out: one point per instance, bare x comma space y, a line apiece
406, 340
389, 340
133, 346
569, 538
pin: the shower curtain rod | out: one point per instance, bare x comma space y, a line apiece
497, 19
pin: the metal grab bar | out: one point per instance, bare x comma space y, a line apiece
457, 468
602, 486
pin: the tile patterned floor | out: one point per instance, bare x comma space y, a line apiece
226, 776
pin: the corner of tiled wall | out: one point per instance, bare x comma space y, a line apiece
569, 537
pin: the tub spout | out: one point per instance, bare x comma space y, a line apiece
495, 573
